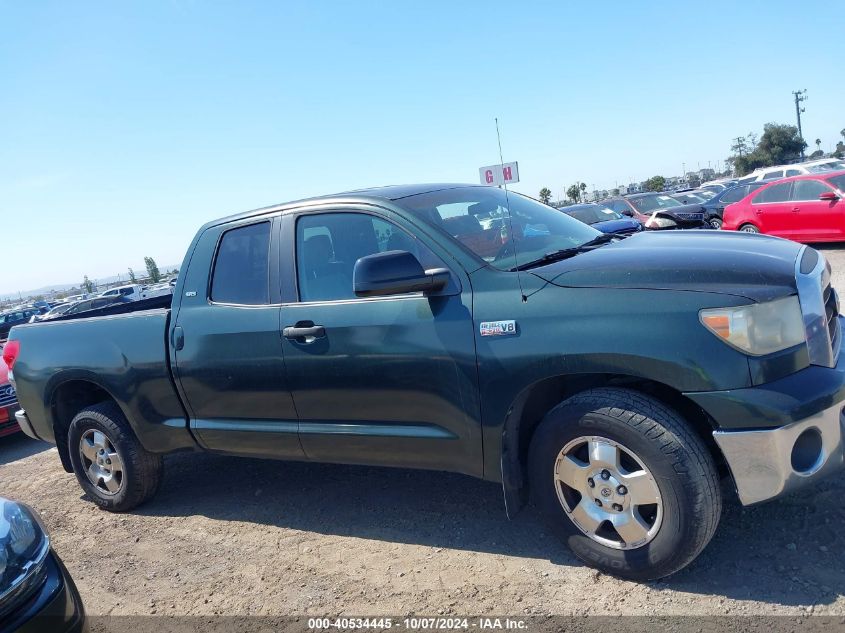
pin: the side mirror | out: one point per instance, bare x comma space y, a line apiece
627, 212
829, 196
393, 273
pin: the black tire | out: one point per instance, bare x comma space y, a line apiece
683, 468
749, 228
716, 222
141, 470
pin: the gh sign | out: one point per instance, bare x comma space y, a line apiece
499, 174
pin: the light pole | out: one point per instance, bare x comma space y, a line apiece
800, 96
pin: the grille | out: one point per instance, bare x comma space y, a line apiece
8, 397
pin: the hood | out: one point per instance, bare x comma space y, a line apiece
757, 267
625, 225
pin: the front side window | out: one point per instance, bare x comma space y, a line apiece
793, 172
329, 244
775, 193
241, 269
772, 174
808, 189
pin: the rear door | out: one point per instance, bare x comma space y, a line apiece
816, 219
226, 345
773, 210
380, 380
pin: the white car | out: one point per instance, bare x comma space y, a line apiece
799, 169
132, 291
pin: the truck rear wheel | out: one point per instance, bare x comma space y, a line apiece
625, 483
111, 465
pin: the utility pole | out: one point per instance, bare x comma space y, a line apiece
800, 95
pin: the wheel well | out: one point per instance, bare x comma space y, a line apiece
69, 399
533, 404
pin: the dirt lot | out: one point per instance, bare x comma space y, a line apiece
238, 536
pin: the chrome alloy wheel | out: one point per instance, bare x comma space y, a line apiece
101, 461
608, 492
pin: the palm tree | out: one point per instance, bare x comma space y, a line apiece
819, 144
545, 195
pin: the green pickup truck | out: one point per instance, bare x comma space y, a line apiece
611, 381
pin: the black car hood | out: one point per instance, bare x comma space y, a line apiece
756, 267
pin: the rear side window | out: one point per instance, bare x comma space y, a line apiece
241, 269
772, 174
793, 172
808, 189
775, 193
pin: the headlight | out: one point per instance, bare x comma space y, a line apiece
24, 546
758, 329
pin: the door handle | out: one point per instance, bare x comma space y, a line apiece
796, 209
304, 332
178, 341
759, 212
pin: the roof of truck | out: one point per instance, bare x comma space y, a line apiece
387, 192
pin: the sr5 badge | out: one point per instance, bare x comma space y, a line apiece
498, 328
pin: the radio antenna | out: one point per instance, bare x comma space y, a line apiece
510, 219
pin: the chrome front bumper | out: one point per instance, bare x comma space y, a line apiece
24, 423
769, 463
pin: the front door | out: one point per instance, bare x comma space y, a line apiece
773, 210
386, 380
817, 219
228, 354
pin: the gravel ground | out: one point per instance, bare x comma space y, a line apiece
239, 536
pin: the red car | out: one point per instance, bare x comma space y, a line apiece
806, 208
8, 402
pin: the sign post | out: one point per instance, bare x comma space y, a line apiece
496, 175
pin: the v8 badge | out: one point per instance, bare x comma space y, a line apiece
498, 328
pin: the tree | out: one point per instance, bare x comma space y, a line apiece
132, 276
819, 145
655, 183
87, 285
574, 193
779, 144
614, 192
583, 188
545, 195
152, 270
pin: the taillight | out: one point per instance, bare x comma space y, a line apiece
10, 353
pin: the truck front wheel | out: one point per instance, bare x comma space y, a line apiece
112, 467
625, 482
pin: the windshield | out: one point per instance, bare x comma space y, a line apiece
479, 219
647, 204
592, 213
838, 182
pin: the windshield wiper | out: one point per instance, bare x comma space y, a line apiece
565, 253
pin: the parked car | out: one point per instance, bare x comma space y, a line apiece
15, 317
803, 208
8, 402
57, 310
821, 166
131, 292
714, 208
388, 327
658, 211
36, 591
604, 219
95, 303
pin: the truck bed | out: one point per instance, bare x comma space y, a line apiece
122, 350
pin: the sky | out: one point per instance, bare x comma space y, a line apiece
124, 126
